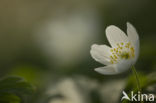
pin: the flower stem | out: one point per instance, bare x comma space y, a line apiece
137, 79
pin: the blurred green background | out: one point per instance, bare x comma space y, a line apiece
48, 42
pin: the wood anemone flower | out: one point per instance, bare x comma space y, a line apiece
122, 54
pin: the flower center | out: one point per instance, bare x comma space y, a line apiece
122, 51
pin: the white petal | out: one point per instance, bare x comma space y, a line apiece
123, 65
134, 39
137, 49
101, 53
115, 35
107, 70
132, 33
112, 69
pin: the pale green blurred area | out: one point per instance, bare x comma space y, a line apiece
48, 43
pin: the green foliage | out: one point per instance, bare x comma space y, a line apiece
32, 74
12, 89
9, 98
131, 85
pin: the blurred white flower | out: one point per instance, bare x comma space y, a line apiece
123, 53
66, 38
69, 90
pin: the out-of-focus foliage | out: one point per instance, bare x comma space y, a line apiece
145, 82
14, 90
31, 73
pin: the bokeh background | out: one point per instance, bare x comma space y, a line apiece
48, 42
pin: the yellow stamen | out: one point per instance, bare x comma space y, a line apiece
111, 50
111, 57
115, 57
112, 61
122, 52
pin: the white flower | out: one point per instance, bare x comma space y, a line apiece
65, 40
123, 53
69, 91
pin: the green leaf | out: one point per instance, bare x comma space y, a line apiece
9, 98
14, 89
15, 85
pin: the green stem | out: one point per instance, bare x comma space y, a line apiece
137, 79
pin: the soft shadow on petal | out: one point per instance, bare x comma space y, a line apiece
134, 39
115, 35
107, 70
123, 65
132, 33
101, 53
137, 50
